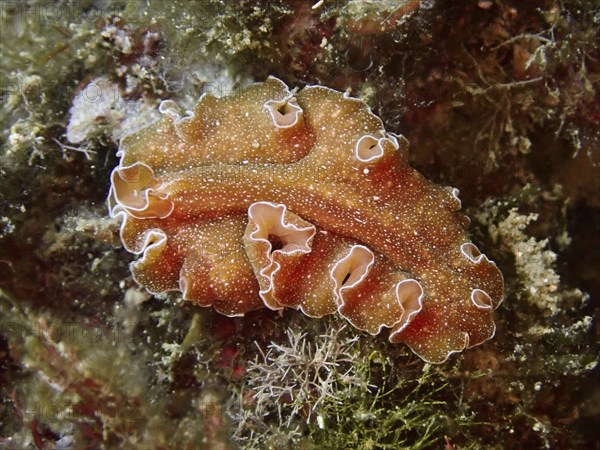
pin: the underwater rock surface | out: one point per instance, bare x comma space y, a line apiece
497, 98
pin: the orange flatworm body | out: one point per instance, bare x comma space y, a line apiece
287, 199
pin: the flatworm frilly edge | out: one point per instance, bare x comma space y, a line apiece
301, 199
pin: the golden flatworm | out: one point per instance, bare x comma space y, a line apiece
286, 199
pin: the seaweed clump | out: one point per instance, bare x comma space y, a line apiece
316, 393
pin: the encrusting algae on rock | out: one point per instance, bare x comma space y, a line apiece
278, 198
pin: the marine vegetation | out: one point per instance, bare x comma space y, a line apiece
125, 330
